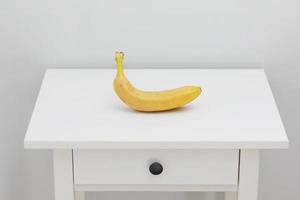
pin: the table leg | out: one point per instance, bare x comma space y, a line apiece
79, 196
230, 196
248, 177
63, 175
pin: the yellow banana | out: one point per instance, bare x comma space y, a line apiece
150, 101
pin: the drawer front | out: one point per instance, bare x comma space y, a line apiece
179, 167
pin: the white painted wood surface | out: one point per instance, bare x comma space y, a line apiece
162, 188
248, 178
79, 109
63, 175
79, 195
180, 167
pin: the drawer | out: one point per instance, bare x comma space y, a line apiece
177, 167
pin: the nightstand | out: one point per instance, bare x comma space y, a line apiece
212, 144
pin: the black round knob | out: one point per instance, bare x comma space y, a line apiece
156, 168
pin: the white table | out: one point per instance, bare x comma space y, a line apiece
211, 144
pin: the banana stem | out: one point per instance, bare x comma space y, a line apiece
119, 61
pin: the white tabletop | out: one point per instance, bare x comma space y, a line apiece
78, 108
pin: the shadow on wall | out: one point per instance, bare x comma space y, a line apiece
155, 195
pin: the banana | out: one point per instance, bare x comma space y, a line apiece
150, 101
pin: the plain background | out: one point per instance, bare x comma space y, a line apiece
36, 35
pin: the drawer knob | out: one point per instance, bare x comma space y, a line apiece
156, 168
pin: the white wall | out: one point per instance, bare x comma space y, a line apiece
35, 35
